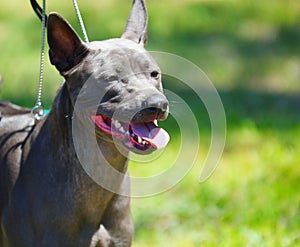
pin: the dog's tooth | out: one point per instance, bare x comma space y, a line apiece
117, 124
127, 132
140, 140
121, 129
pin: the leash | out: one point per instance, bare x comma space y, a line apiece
81, 24
38, 111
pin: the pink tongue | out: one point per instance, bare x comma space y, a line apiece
151, 133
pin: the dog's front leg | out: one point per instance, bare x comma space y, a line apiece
117, 229
101, 238
118, 222
120, 237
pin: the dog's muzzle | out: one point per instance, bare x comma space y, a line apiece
141, 130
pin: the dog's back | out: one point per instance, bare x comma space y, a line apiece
8, 109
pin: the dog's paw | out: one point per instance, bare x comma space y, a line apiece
101, 238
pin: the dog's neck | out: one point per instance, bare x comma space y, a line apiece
62, 115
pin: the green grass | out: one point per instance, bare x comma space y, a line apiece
251, 200
250, 50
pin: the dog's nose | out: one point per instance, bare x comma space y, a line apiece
157, 104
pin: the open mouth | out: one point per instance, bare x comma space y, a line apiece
142, 136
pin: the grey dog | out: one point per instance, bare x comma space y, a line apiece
46, 196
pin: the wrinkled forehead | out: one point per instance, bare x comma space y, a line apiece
123, 55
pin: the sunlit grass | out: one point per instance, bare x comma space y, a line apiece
251, 200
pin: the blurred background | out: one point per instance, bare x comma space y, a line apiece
250, 50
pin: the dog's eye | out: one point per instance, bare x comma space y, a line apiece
155, 74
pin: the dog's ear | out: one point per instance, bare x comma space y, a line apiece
137, 23
66, 48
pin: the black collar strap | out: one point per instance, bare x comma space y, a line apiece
37, 9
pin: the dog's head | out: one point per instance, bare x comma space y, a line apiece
126, 99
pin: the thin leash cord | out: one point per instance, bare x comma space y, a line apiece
83, 30
38, 110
